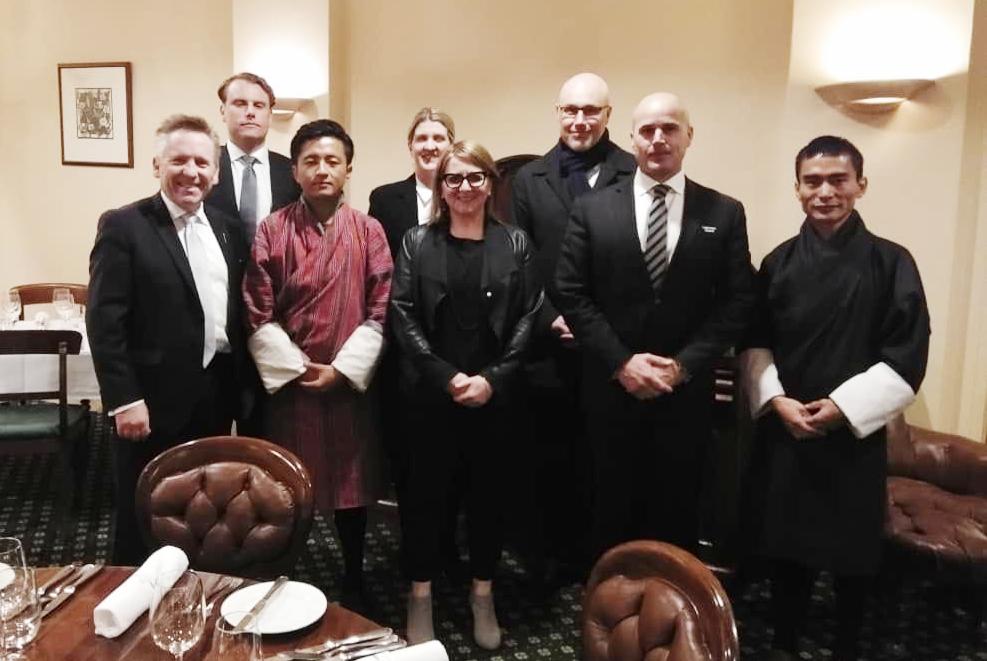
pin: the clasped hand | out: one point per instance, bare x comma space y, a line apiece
320, 378
471, 391
810, 420
647, 376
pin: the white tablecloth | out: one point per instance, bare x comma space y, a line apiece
39, 373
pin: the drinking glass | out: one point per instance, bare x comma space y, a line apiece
21, 626
12, 567
12, 307
233, 643
61, 298
178, 614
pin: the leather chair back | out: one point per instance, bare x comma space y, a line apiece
507, 167
235, 505
651, 600
953, 463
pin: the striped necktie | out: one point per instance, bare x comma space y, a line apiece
655, 249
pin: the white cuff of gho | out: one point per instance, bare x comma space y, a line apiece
278, 359
759, 379
870, 399
357, 358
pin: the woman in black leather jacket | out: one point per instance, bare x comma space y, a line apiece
463, 302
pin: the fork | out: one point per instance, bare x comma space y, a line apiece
68, 586
225, 587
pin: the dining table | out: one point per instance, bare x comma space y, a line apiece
39, 373
69, 633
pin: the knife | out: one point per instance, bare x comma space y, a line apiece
71, 589
260, 605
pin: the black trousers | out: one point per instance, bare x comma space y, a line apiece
648, 463
556, 493
452, 445
791, 588
212, 415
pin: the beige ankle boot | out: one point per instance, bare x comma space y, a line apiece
420, 619
486, 631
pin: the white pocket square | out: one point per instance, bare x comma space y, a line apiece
709, 229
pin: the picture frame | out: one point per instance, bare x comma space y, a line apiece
95, 112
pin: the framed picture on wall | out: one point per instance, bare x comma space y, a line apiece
96, 117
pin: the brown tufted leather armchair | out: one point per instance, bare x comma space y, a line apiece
652, 601
937, 504
235, 505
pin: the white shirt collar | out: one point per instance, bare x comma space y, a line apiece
644, 183
424, 192
177, 213
235, 152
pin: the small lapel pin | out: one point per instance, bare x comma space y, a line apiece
709, 229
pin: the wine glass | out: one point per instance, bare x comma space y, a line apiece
231, 642
12, 307
12, 567
178, 614
61, 298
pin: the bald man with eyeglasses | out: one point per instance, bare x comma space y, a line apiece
584, 159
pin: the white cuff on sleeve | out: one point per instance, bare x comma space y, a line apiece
121, 409
759, 379
357, 358
870, 399
278, 359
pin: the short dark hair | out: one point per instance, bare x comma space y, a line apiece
321, 128
250, 78
831, 145
189, 123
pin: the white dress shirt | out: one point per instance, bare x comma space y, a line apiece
593, 174
218, 274
674, 202
423, 194
262, 168
219, 284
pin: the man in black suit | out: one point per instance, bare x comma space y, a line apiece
583, 159
655, 280
247, 104
253, 182
164, 315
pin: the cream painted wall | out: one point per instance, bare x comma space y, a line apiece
48, 211
290, 49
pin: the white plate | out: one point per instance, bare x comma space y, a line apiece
296, 606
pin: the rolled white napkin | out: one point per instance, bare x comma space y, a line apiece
433, 650
124, 605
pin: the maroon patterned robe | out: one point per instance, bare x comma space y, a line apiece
320, 287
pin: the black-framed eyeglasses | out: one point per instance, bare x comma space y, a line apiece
456, 179
590, 112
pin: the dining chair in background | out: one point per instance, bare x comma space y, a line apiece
648, 599
235, 505
30, 423
42, 292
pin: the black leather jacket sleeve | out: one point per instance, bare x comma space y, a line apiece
406, 313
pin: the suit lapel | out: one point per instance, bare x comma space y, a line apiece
554, 179
226, 189
166, 231
608, 170
406, 199
282, 182
690, 222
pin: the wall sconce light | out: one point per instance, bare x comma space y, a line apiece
872, 96
285, 108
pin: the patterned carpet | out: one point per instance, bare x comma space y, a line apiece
936, 628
